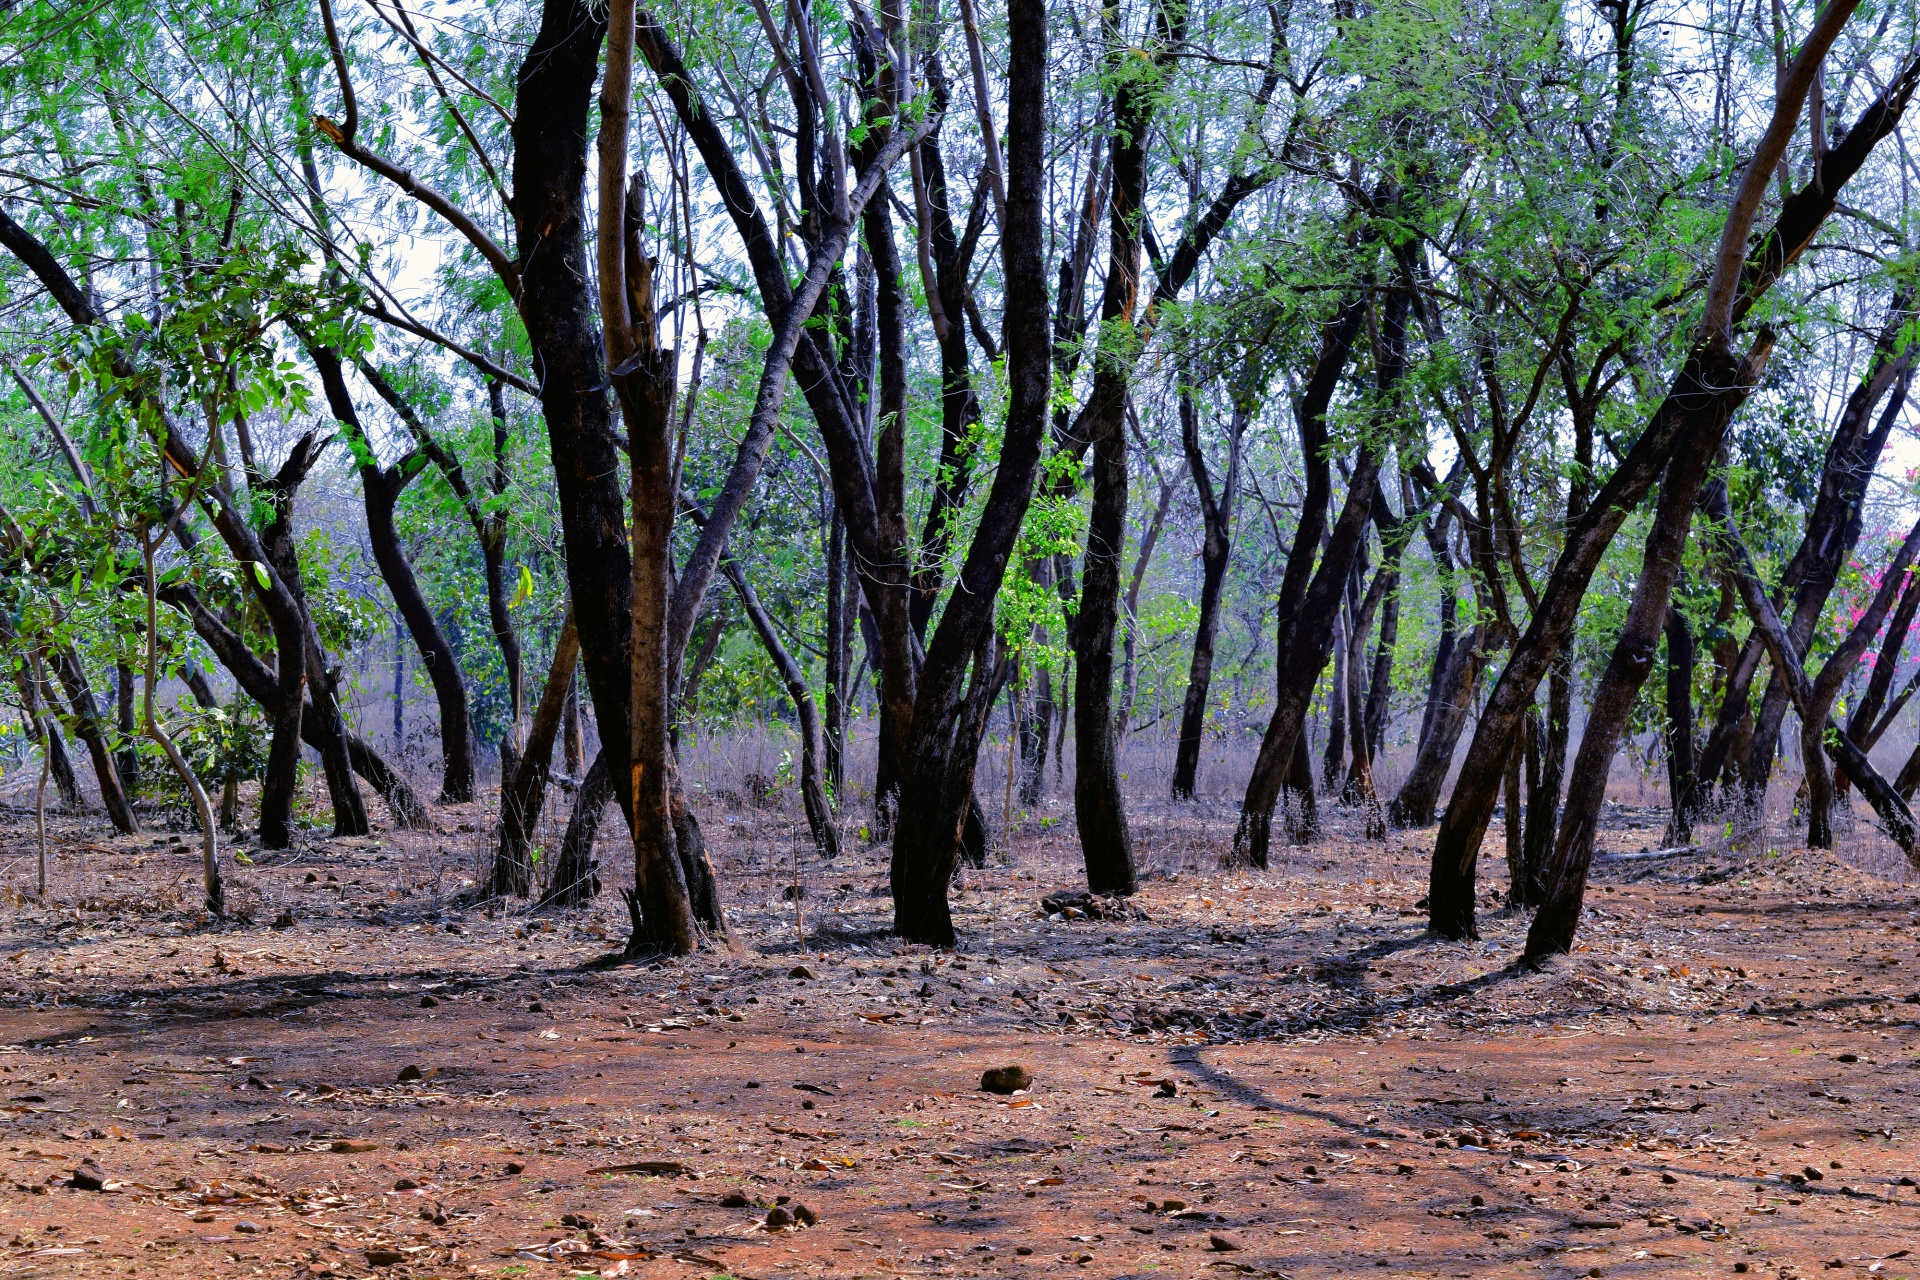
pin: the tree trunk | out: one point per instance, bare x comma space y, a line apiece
1306, 610
87, 723
660, 903
1129, 667
381, 488
1216, 515
1336, 754
127, 759
941, 751
1679, 735
1543, 798
1704, 397
839, 651
1452, 703
523, 795
575, 882
813, 794
1518, 875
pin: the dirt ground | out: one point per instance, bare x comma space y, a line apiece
1270, 1074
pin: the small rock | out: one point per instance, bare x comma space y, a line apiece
1223, 1244
428, 1002
1848, 1057
352, 1146
800, 971
514, 1166
1669, 1179
734, 1200
804, 1216
1007, 1079
380, 1255
778, 1219
88, 1177
248, 1228
405, 1184
411, 1072
1024, 1251
534, 1006
1172, 1206
284, 920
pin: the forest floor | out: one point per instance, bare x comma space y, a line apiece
1266, 1074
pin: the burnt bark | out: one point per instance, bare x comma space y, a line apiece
576, 881
1306, 609
1452, 704
1711, 386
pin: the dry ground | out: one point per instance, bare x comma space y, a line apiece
1272, 1074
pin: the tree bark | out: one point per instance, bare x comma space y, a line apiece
1452, 703
1306, 610
87, 723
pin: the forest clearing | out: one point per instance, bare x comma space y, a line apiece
1265, 1073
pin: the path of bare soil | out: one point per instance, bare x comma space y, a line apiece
1272, 1074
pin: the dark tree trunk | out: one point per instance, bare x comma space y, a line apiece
1543, 793
575, 878
839, 653
381, 488
1306, 609
940, 757
1679, 736
573, 738
1130, 661
260, 684
1336, 753
127, 759
1865, 724
1519, 876
328, 730
1216, 514
523, 795
88, 724
1703, 399
1452, 703
1450, 897
493, 554
555, 89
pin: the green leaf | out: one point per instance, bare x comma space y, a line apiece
523, 592
260, 575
